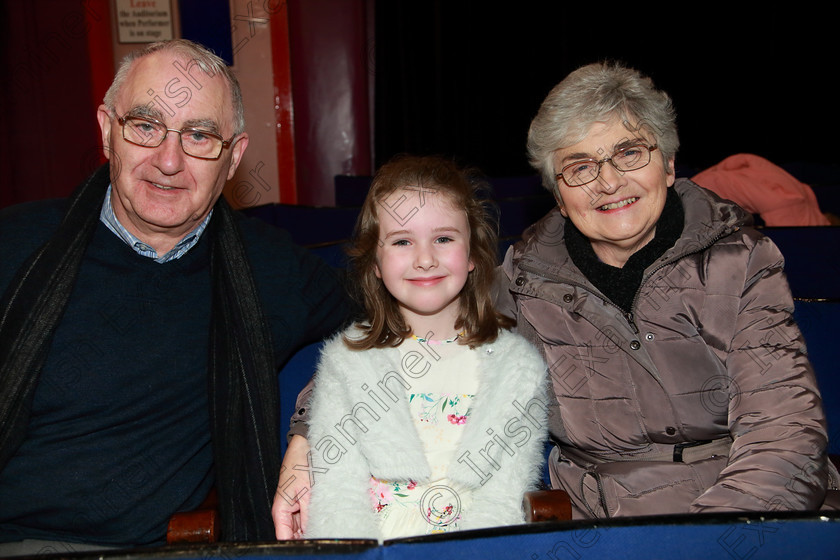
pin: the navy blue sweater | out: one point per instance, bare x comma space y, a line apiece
119, 435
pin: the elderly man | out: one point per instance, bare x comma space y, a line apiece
142, 323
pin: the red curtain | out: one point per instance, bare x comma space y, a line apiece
57, 55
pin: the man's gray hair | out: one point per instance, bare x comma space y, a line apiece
209, 63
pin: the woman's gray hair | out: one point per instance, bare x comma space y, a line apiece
209, 63
599, 93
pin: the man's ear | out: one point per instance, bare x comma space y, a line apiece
103, 115
236, 151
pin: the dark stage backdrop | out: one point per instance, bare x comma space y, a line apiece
464, 78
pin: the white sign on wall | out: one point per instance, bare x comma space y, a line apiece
144, 21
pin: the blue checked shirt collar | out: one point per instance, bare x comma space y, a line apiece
107, 217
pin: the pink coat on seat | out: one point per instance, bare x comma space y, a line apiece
763, 188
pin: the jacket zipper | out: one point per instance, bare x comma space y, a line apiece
711, 241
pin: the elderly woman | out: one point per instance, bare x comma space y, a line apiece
681, 377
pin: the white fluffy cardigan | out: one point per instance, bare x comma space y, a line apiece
360, 426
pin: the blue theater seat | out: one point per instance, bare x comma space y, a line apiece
292, 379
518, 213
828, 198
819, 321
308, 225
767, 535
351, 190
812, 259
515, 187
726, 537
333, 253
812, 173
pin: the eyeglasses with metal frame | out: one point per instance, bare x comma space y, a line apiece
150, 133
585, 171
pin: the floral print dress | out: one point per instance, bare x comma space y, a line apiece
439, 402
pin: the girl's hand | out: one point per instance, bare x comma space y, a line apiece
291, 501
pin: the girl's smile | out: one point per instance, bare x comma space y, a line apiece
424, 261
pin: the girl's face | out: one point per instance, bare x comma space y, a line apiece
423, 258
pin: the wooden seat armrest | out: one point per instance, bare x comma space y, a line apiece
547, 505
197, 526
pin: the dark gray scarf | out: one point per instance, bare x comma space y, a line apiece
621, 284
241, 369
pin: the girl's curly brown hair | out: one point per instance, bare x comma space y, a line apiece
384, 324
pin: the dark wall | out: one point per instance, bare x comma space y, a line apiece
465, 79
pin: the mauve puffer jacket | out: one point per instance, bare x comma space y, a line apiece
709, 352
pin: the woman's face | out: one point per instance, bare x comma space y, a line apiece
617, 211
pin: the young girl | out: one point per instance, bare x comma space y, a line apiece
428, 416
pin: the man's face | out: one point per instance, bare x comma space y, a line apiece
160, 194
